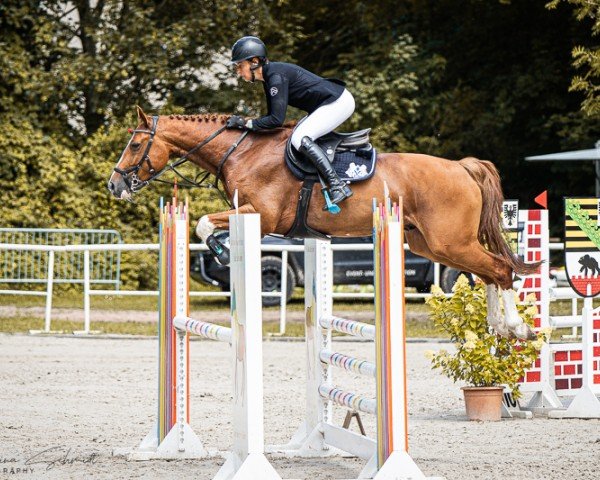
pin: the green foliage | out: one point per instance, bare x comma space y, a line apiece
37, 178
387, 99
482, 357
586, 59
484, 81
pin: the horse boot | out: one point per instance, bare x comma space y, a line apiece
219, 251
338, 190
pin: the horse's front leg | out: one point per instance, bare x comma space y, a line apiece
218, 221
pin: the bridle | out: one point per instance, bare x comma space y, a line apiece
130, 174
134, 183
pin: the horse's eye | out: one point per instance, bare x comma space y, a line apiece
135, 146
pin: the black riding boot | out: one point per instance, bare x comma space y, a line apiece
338, 190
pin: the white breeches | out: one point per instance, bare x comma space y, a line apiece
324, 119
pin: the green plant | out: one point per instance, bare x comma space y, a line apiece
481, 358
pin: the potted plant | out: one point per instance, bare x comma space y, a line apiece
482, 359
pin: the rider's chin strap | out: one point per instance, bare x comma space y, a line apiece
253, 68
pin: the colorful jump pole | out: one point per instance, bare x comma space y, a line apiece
393, 460
172, 437
387, 456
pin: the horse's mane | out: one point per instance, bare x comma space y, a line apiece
202, 117
218, 118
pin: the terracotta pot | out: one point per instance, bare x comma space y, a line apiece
483, 403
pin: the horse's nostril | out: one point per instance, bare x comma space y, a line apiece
111, 186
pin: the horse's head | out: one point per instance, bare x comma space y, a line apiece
145, 155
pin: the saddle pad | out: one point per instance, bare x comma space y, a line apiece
351, 167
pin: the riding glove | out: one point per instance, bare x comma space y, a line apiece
236, 121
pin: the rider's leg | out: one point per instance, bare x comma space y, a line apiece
338, 190
322, 121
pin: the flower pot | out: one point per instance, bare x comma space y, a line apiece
483, 403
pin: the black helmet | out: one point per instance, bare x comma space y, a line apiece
246, 48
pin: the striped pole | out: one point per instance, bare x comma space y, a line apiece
203, 329
173, 300
392, 418
350, 327
348, 363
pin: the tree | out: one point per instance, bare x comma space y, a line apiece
586, 59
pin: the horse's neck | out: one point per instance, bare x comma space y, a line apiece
185, 136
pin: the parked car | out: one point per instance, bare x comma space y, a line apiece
349, 268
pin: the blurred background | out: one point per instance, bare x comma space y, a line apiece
499, 80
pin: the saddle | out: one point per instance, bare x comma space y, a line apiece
351, 155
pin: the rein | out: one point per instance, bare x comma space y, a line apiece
134, 183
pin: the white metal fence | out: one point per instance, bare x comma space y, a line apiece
87, 250
30, 266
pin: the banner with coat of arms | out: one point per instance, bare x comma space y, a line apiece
510, 223
582, 245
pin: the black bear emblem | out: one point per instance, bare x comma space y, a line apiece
589, 263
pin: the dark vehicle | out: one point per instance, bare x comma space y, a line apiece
349, 268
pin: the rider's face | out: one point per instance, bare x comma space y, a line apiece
243, 70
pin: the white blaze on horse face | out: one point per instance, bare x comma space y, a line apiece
125, 193
205, 228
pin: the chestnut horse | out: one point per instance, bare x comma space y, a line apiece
451, 208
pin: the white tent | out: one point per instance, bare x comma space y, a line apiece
576, 155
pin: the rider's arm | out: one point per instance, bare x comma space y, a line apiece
277, 101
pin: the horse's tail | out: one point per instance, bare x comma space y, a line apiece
490, 232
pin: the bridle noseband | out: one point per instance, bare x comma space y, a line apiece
134, 183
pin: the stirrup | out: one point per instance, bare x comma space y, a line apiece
336, 195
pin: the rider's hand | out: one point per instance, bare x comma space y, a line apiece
236, 121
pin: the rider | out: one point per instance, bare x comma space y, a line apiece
326, 101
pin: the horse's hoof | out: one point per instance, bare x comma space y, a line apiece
223, 257
513, 321
524, 332
502, 330
219, 251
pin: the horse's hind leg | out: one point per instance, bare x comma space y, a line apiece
495, 318
514, 322
493, 270
475, 259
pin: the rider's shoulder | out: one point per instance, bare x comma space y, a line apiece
278, 72
281, 68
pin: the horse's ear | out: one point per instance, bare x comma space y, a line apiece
142, 117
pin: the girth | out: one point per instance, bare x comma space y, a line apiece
300, 228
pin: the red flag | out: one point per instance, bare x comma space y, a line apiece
542, 199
